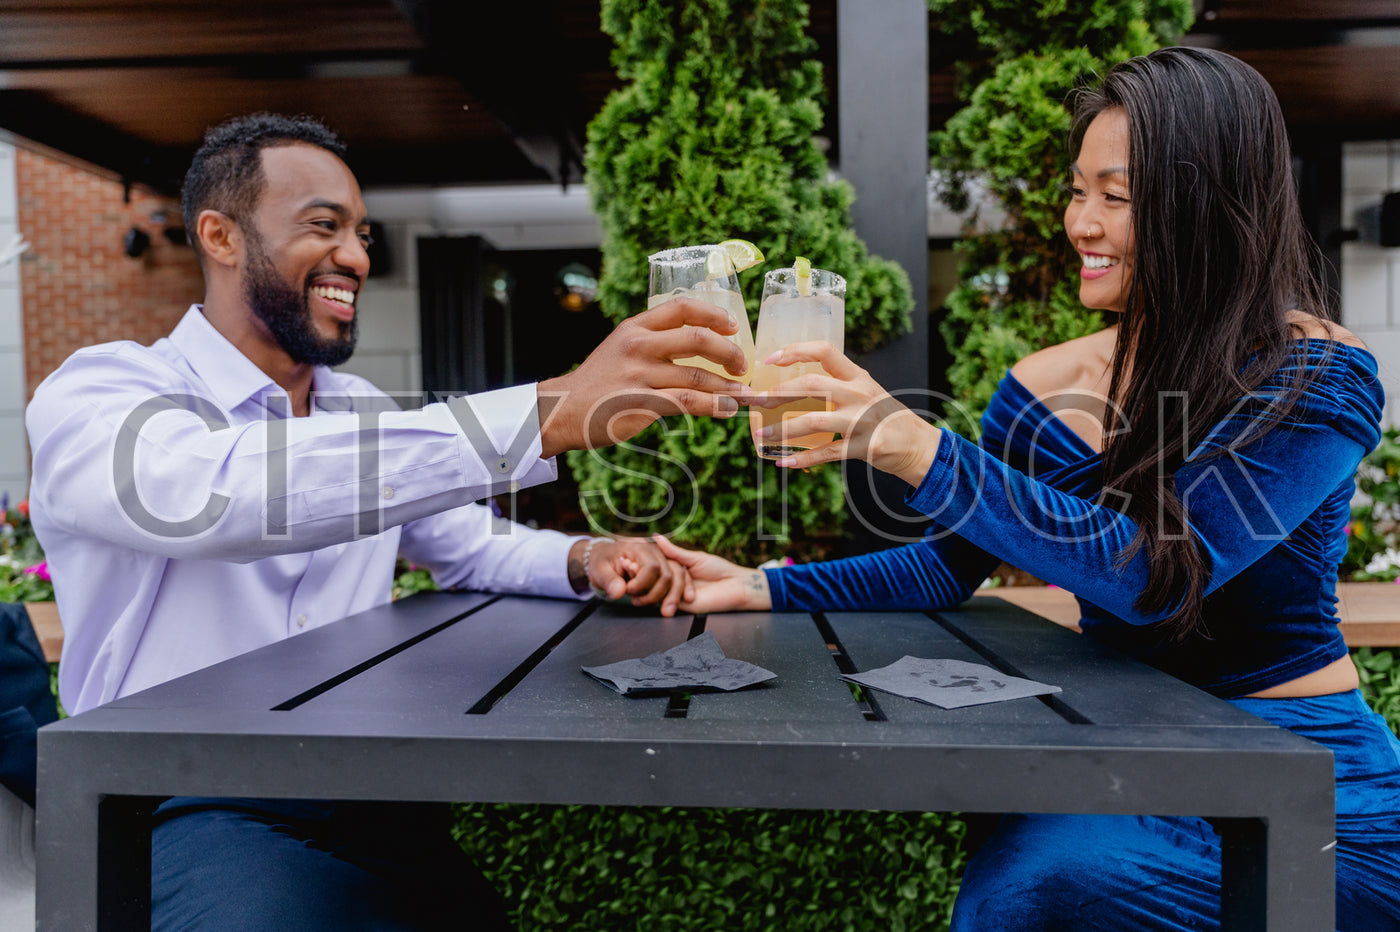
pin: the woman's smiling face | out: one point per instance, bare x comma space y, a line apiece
1099, 218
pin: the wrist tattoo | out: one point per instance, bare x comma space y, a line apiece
756, 582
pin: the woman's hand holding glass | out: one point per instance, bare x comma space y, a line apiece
872, 425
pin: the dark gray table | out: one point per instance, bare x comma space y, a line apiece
471, 697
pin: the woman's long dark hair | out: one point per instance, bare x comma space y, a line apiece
1220, 257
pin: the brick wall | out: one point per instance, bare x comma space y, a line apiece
78, 286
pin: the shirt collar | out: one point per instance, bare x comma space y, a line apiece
230, 376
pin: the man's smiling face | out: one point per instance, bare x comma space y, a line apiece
305, 254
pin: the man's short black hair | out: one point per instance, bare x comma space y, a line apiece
226, 173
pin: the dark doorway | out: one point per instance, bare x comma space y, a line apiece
492, 318
555, 320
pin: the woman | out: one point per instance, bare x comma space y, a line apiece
1186, 472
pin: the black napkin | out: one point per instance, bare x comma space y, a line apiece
948, 684
698, 665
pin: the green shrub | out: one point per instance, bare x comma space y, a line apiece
713, 137
409, 579
663, 870
1373, 554
1373, 538
24, 573
1380, 681
1017, 290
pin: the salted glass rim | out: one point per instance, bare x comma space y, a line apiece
824, 281
683, 255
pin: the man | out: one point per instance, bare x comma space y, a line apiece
223, 489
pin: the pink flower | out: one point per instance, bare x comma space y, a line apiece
41, 570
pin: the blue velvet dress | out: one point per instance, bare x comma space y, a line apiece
1270, 512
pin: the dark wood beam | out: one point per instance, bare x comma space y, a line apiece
520, 67
34, 116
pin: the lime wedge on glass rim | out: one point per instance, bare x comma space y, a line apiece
718, 265
742, 253
803, 266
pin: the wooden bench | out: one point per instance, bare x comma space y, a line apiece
1370, 611
44, 617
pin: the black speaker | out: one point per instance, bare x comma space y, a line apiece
136, 242
1390, 219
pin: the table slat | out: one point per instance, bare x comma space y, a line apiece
291, 667
808, 688
877, 639
457, 667
1099, 687
558, 686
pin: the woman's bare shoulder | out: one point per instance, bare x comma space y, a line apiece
1317, 328
1075, 365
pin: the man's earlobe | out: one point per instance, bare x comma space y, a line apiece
220, 238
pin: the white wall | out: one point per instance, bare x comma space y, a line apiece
388, 351
508, 217
14, 444
1370, 274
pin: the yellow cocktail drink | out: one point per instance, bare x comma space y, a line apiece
795, 311
733, 303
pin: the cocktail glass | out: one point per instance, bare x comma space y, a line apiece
795, 309
705, 273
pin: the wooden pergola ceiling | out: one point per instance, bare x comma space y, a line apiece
450, 92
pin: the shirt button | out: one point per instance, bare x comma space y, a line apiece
503, 465
388, 492
514, 486
301, 621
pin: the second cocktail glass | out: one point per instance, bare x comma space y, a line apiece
796, 308
705, 273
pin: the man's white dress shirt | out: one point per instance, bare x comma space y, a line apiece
187, 519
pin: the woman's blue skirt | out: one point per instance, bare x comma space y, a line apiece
1127, 873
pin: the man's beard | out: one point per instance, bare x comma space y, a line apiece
287, 314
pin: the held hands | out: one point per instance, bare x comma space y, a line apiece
631, 379
717, 584
872, 424
629, 567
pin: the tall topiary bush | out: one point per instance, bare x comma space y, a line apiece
1017, 290
714, 137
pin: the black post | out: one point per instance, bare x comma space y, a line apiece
882, 84
1319, 168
